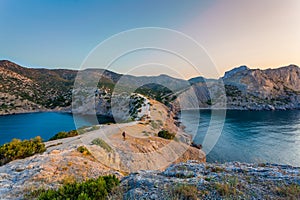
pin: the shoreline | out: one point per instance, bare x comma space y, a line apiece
37, 111
215, 109
241, 109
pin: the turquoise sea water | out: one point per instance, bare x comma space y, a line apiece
47, 124
247, 136
251, 136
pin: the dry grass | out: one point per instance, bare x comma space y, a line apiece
102, 144
184, 192
291, 192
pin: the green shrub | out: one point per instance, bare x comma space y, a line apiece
91, 189
17, 149
102, 144
83, 150
64, 134
166, 135
72, 133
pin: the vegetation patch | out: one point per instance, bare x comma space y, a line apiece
166, 134
155, 91
228, 188
102, 144
289, 191
17, 149
83, 150
184, 192
98, 188
232, 91
64, 134
86, 129
72, 133
154, 125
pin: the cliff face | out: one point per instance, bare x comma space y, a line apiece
263, 89
248, 89
28, 90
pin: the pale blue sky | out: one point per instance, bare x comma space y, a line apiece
60, 34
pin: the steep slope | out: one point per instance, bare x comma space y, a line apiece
27, 89
37, 88
252, 89
31, 89
142, 150
264, 89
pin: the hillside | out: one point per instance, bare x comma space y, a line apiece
108, 153
264, 89
25, 89
251, 89
31, 90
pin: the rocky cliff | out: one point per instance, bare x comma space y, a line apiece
263, 89
31, 90
249, 89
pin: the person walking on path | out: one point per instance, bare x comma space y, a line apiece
124, 135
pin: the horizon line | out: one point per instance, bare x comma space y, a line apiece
74, 69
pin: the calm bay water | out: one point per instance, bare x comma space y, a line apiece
26, 126
247, 136
252, 136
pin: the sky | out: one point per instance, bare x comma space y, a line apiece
192, 38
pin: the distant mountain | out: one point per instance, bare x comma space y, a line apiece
264, 89
30, 89
230, 73
253, 89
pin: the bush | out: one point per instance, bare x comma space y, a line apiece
102, 144
73, 133
91, 189
17, 149
166, 135
64, 134
83, 150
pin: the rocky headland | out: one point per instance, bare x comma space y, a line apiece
150, 167
37, 90
107, 153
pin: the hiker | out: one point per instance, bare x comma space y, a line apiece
124, 135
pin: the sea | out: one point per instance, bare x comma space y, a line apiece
44, 124
247, 136
244, 136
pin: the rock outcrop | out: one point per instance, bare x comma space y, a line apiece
192, 180
264, 89
249, 89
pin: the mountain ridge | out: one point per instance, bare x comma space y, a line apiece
39, 89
